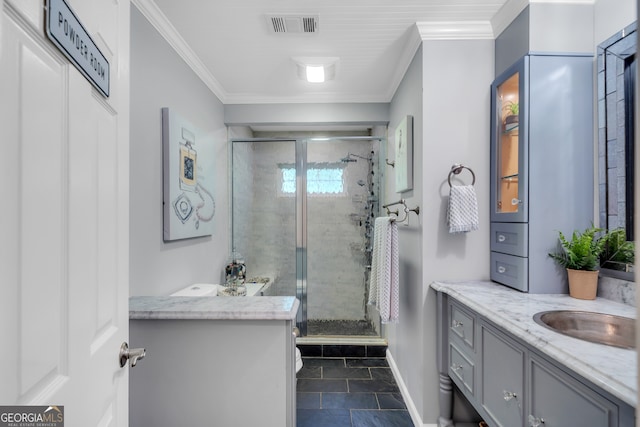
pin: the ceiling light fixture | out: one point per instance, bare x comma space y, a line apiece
316, 70
315, 74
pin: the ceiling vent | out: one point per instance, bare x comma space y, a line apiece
292, 24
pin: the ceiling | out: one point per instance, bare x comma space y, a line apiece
230, 45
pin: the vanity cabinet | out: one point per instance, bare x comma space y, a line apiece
510, 383
541, 166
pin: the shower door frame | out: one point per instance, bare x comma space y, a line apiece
301, 207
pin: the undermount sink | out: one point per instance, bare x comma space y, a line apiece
600, 328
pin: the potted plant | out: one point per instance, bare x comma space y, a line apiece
511, 119
580, 256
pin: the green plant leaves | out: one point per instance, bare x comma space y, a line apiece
582, 252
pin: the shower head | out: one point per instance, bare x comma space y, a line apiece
348, 159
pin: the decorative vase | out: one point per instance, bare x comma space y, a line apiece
513, 118
583, 284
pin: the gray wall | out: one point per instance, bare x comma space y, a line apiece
159, 78
451, 125
546, 27
407, 338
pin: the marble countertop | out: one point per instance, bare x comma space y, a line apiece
213, 308
610, 368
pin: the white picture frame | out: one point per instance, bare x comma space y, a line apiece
404, 154
188, 179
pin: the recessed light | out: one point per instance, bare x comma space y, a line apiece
316, 70
315, 74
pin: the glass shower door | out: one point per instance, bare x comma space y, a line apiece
264, 204
342, 202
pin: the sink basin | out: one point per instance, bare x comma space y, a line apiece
600, 328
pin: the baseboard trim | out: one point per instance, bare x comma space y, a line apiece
411, 407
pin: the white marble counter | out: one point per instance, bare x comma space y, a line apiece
210, 308
610, 368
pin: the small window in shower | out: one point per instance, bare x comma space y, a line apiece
322, 179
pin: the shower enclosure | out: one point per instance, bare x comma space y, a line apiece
303, 211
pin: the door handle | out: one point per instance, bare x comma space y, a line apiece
132, 355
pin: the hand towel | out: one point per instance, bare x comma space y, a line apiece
384, 282
462, 213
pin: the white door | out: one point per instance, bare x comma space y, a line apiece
64, 180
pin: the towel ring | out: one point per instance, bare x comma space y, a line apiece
456, 169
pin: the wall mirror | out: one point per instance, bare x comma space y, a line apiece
616, 136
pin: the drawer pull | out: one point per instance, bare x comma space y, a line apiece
501, 238
509, 395
456, 368
535, 422
456, 324
502, 269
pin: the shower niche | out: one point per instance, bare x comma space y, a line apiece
303, 211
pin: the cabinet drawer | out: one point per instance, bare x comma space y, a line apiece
462, 325
510, 270
502, 378
510, 238
461, 369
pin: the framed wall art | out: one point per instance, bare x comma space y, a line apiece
404, 155
187, 175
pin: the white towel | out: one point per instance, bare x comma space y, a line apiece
384, 283
462, 214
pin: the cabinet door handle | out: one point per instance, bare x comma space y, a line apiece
455, 368
502, 270
501, 238
535, 421
456, 323
515, 201
509, 395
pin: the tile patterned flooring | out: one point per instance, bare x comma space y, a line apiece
340, 327
348, 386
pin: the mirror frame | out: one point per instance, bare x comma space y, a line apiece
615, 144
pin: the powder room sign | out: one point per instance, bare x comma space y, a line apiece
69, 35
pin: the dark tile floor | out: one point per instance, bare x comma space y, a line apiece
350, 386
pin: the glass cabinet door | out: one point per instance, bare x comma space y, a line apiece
508, 154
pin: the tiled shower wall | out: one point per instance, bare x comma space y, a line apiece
264, 224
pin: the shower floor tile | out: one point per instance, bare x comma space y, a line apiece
340, 327
349, 391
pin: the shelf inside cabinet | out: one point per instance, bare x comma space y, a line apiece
513, 177
511, 131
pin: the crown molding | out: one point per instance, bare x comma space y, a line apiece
408, 52
455, 30
154, 15
507, 13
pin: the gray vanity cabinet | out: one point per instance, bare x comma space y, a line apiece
509, 383
541, 166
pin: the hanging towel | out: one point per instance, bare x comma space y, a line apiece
384, 283
462, 214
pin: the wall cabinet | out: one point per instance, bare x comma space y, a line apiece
541, 166
511, 384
